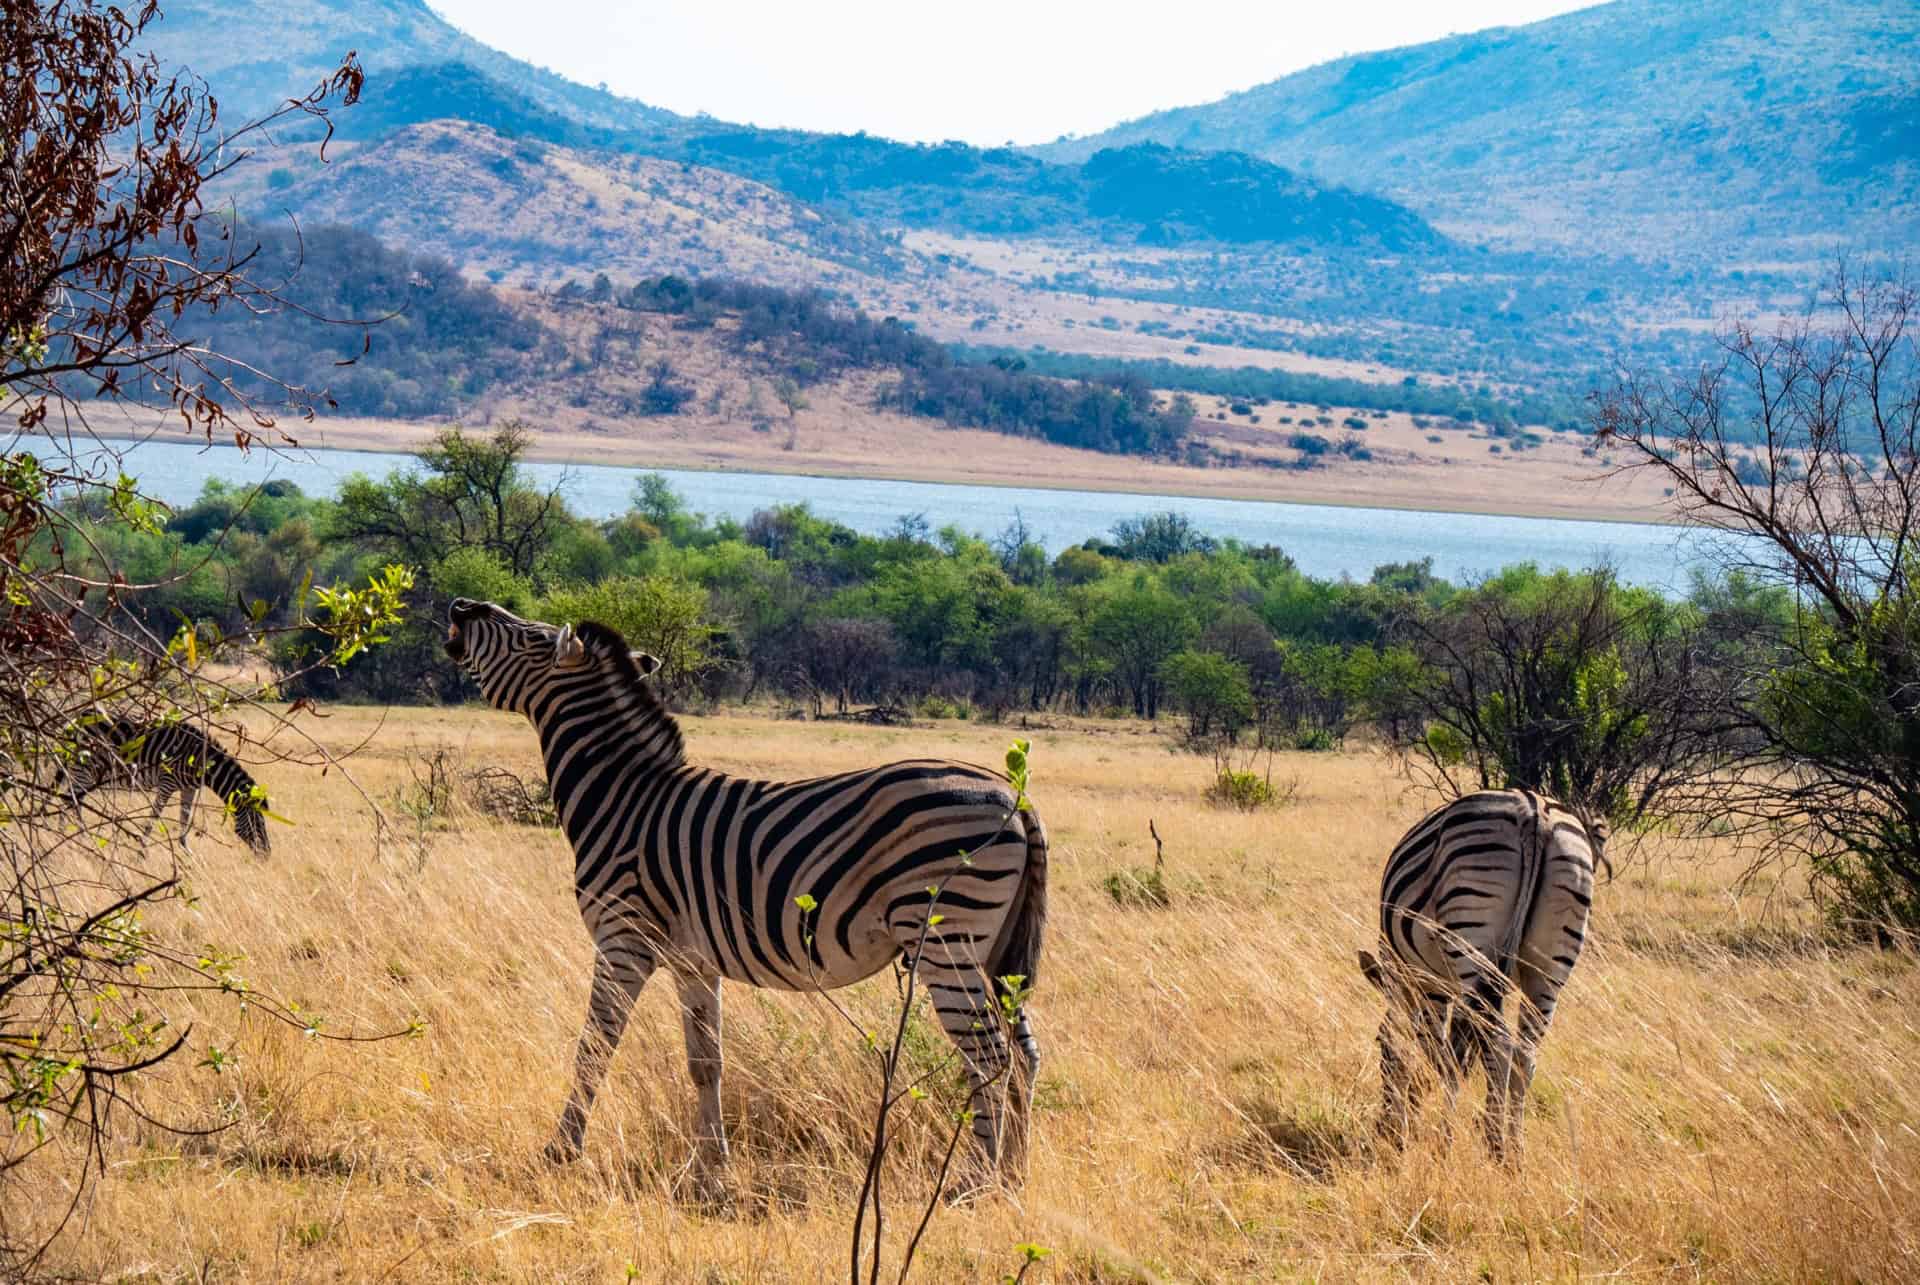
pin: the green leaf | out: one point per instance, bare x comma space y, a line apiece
806, 903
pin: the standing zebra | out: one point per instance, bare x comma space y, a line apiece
795, 885
1489, 891
168, 758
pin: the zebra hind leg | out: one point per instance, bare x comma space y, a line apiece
621, 968
1540, 991
964, 1003
700, 1019
1498, 1056
1026, 1075
1400, 1089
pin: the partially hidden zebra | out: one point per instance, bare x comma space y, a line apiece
793, 885
169, 758
1488, 893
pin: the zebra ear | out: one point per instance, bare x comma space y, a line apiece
1370, 968
648, 664
568, 650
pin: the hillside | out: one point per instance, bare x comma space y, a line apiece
1723, 128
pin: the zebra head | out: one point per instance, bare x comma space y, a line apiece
515, 660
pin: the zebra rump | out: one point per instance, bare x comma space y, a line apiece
1487, 894
169, 759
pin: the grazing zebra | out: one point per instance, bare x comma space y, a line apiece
1489, 891
795, 885
169, 759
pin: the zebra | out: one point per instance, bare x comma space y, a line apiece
791, 885
1489, 891
169, 758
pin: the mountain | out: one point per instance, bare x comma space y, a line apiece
420, 69
255, 53
1647, 127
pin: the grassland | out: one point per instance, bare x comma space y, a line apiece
1726, 1095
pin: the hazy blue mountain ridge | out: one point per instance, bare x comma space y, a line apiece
1642, 123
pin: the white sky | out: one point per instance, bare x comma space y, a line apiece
990, 72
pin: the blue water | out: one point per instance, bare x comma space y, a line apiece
1324, 540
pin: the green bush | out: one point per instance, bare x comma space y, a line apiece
1244, 790
1138, 887
661, 615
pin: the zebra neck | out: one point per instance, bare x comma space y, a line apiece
585, 731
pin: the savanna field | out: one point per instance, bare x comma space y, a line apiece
1726, 1093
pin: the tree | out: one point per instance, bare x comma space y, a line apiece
1564, 683
1211, 690
795, 400
1136, 629
1803, 446
473, 494
108, 266
1158, 537
665, 393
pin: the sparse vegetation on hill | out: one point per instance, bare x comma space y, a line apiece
439, 343
803, 336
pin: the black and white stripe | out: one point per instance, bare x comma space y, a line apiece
169, 758
706, 873
1488, 893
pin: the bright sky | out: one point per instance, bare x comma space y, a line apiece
990, 72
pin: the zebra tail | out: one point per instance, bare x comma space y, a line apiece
1017, 952
1532, 879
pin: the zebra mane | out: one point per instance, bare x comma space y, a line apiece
640, 701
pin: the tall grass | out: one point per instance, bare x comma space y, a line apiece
1724, 1095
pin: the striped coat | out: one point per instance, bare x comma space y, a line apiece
1484, 895
169, 759
794, 885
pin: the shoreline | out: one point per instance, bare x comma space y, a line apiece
1236, 484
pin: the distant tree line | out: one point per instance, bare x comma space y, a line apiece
1414, 396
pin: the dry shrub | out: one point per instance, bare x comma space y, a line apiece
507, 796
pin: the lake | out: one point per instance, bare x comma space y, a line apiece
1328, 541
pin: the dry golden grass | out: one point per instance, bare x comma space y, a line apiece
1723, 1096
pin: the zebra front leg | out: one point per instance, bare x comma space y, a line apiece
189, 794
700, 1018
620, 969
161, 794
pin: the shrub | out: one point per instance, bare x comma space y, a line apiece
1244, 790
1138, 887
944, 707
